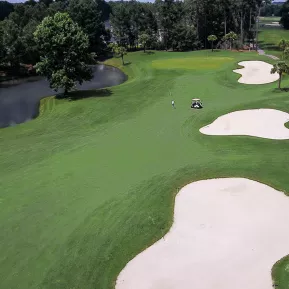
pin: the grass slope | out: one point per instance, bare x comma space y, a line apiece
90, 183
269, 37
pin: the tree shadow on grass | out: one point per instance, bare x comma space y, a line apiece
127, 63
83, 94
282, 89
269, 45
149, 52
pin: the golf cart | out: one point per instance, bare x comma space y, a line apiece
196, 103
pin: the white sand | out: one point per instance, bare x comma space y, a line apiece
264, 123
256, 72
227, 234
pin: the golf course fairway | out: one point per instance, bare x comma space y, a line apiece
91, 183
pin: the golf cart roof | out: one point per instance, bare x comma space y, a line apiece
196, 99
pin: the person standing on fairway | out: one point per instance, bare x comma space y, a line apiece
173, 103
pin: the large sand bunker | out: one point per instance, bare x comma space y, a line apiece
227, 233
264, 123
256, 72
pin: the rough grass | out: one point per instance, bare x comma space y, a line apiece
269, 19
90, 183
269, 37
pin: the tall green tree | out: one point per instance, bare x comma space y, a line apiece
88, 15
12, 43
280, 67
120, 21
170, 14
64, 52
5, 9
2, 48
184, 38
285, 15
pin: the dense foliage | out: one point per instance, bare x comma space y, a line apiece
183, 25
20, 20
164, 25
285, 15
64, 52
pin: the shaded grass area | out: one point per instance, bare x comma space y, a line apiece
91, 183
269, 37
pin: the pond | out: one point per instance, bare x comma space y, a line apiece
19, 99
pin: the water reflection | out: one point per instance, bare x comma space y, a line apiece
19, 99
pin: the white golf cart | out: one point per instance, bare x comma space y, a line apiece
196, 103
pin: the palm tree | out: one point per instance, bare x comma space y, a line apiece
232, 36
280, 68
283, 44
286, 53
143, 40
212, 38
118, 50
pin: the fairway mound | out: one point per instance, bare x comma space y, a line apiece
264, 123
256, 72
226, 233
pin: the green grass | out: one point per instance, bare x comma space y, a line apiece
81, 184
280, 273
269, 37
270, 19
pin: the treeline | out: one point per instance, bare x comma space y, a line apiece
19, 22
285, 15
169, 24
269, 9
183, 25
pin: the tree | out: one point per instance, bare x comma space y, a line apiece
283, 44
64, 53
2, 48
12, 43
118, 50
170, 14
212, 38
280, 68
88, 15
120, 22
285, 15
231, 37
5, 9
143, 40
286, 53
184, 38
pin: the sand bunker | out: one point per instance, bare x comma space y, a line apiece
256, 72
264, 123
227, 233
